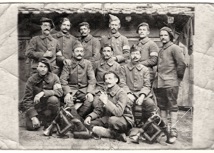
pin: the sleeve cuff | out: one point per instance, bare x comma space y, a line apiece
48, 93
31, 112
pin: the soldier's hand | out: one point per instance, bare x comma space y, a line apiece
103, 97
38, 97
89, 97
140, 100
87, 121
35, 122
114, 58
68, 98
59, 53
67, 62
48, 54
131, 97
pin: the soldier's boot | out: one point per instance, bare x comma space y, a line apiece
80, 131
173, 131
102, 132
118, 136
134, 135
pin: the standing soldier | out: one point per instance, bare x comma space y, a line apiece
149, 49
170, 69
43, 46
41, 99
112, 116
66, 43
116, 40
135, 80
78, 82
91, 44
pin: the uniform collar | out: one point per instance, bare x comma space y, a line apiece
86, 39
131, 66
60, 34
49, 37
167, 45
80, 63
144, 40
113, 91
46, 78
116, 35
110, 62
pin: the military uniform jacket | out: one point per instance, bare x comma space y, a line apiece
92, 48
66, 45
102, 66
135, 79
49, 84
117, 41
38, 46
171, 65
78, 76
117, 105
149, 52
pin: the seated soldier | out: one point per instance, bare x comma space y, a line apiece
112, 116
41, 99
106, 64
78, 83
135, 80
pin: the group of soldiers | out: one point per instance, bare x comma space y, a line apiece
107, 76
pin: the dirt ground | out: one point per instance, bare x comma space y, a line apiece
36, 140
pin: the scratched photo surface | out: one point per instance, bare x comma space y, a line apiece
192, 25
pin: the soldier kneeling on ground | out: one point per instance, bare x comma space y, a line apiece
41, 98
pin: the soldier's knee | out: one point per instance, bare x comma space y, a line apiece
113, 120
53, 100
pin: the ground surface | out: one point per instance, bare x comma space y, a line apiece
36, 140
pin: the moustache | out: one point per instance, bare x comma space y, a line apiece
65, 29
46, 30
134, 58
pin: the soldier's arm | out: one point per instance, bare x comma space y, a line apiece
179, 59
91, 78
122, 58
118, 108
59, 55
122, 83
57, 89
27, 103
98, 109
31, 50
146, 82
95, 50
64, 79
153, 56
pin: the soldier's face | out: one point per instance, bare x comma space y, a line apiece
143, 31
164, 36
135, 56
114, 26
78, 53
107, 53
42, 69
46, 27
110, 80
84, 31
65, 27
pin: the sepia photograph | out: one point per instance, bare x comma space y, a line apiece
102, 75
105, 76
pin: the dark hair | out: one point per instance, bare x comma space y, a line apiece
106, 45
115, 75
63, 20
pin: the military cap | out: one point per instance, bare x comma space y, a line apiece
113, 18
43, 19
46, 62
126, 47
142, 24
78, 45
84, 24
168, 30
